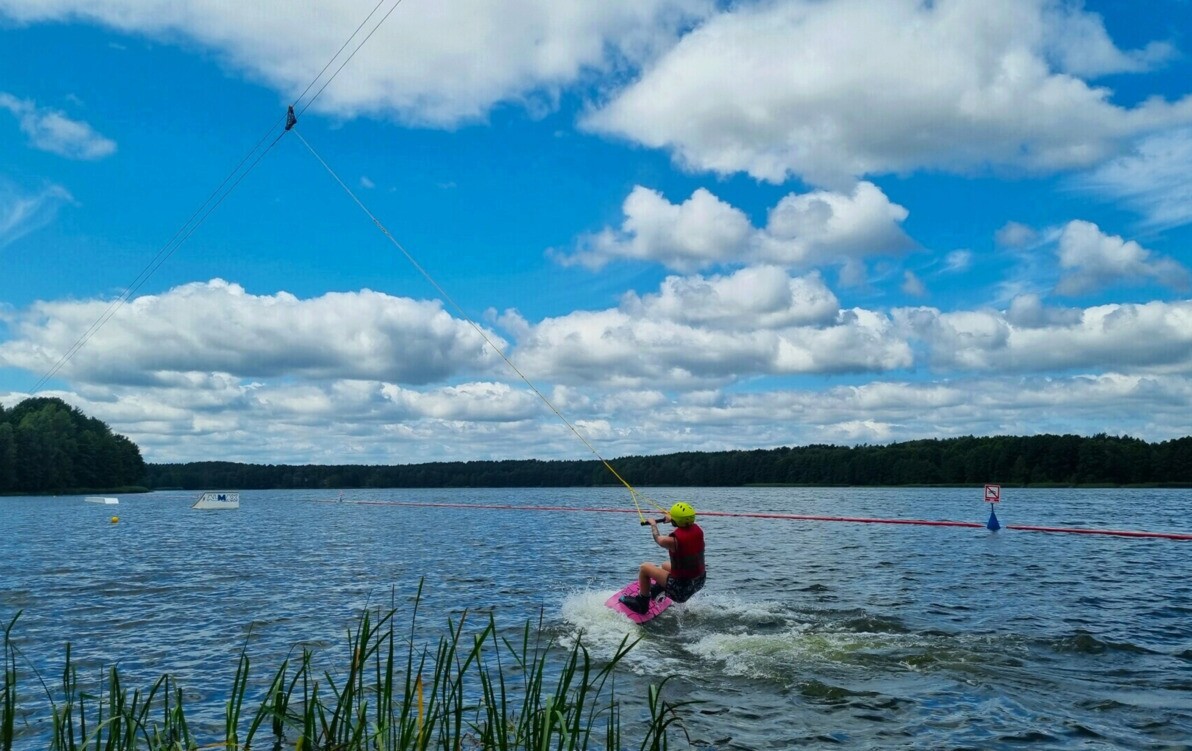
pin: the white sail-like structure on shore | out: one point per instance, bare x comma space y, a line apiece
213, 499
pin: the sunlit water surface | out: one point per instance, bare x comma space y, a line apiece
809, 634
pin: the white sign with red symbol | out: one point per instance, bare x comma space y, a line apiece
993, 493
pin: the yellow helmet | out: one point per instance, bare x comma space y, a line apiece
682, 514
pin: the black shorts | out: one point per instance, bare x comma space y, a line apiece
681, 590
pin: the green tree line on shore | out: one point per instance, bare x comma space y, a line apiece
1044, 460
47, 446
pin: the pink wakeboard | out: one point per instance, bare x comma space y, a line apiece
656, 606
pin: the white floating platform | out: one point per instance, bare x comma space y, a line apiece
217, 500
102, 499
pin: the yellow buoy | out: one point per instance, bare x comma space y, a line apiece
115, 519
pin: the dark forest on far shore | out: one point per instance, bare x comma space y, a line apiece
47, 446
1046, 460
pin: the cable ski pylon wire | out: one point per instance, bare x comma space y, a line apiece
346, 60
233, 179
242, 170
338, 52
634, 493
196, 219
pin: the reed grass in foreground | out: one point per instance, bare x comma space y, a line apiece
473, 691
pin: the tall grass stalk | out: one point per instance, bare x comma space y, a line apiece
8, 692
470, 691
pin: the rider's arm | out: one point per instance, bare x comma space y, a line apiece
665, 541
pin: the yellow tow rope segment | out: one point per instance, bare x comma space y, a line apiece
633, 494
385, 231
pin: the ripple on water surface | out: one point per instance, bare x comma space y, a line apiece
808, 634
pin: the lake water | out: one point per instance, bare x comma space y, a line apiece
808, 634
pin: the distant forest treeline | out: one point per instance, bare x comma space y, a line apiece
1045, 460
47, 446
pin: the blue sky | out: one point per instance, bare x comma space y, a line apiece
691, 225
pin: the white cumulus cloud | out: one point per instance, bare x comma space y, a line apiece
1091, 259
52, 131
701, 231
1150, 338
803, 231
217, 327
704, 332
756, 297
831, 91
436, 64
822, 226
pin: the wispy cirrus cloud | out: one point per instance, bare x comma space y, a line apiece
1154, 179
23, 212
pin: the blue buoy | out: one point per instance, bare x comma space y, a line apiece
992, 525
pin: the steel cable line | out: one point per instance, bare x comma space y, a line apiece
213, 200
192, 224
634, 493
163, 254
348, 58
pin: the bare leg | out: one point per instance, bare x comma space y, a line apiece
650, 571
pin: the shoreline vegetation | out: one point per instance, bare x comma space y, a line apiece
50, 448
1013, 461
474, 690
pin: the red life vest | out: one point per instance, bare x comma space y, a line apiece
687, 559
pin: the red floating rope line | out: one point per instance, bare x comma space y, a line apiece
789, 517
